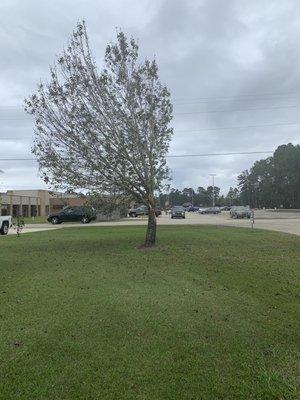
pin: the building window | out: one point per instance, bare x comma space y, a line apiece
16, 210
25, 211
4, 210
33, 211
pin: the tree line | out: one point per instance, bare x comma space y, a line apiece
200, 196
272, 182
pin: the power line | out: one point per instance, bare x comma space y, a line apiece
16, 119
245, 101
238, 109
230, 101
16, 138
191, 112
192, 130
185, 103
179, 99
239, 127
239, 103
219, 154
17, 159
171, 155
237, 96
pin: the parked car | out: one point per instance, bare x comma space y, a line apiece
240, 212
72, 214
178, 212
142, 210
211, 210
157, 211
192, 208
225, 208
186, 205
5, 224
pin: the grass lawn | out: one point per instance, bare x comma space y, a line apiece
211, 313
32, 220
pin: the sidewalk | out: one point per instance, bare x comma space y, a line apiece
289, 225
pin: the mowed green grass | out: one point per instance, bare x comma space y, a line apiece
32, 220
210, 313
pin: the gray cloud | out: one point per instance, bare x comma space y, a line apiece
227, 64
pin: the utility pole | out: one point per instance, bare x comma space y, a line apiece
167, 202
213, 185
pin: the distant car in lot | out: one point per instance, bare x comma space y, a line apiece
211, 210
177, 212
72, 214
225, 208
186, 206
240, 212
142, 210
157, 212
5, 224
192, 208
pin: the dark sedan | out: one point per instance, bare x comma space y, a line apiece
177, 212
142, 210
73, 214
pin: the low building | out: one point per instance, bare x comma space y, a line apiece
35, 203
58, 201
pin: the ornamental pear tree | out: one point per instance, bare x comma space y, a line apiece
105, 130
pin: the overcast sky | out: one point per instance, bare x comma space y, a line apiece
228, 64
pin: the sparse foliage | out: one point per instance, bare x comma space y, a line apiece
19, 225
108, 205
105, 131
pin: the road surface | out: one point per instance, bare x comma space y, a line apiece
275, 221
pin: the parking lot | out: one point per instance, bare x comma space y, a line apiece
288, 222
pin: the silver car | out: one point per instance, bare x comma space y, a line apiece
240, 212
211, 210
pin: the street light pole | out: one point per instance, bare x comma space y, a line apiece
213, 185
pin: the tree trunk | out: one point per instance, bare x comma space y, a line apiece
151, 228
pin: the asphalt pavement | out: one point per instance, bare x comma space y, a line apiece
270, 220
